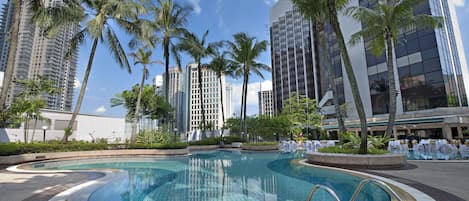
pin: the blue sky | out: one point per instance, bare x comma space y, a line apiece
222, 18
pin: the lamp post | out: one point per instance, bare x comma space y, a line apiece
175, 131
44, 128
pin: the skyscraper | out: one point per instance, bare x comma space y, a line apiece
211, 97
430, 71
39, 56
158, 84
292, 54
228, 101
176, 95
266, 103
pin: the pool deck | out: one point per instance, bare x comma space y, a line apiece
440, 179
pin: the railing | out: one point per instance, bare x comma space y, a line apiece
319, 186
381, 184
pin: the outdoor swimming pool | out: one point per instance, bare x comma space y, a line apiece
218, 175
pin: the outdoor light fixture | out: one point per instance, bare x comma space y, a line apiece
44, 128
175, 131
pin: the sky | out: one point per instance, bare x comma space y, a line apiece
222, 18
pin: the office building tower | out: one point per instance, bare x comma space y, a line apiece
39, 56
292, 54
175, 91
430, 69
228, 101
6, 19
211, 97
266, 103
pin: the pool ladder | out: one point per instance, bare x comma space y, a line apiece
357, 191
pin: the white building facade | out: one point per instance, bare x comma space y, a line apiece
210, 93
176, 97
266, 104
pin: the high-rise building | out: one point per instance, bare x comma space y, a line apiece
292, 54
430, 71
39, 56
211, 97
176, 94
266, 106
228, 101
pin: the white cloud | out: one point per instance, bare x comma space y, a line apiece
196, 6
252, 95
270, 2
100, 109
221, 22
458, 2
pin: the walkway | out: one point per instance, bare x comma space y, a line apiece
38, 187
439, 179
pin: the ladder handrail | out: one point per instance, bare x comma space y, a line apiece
380, 183
317, 187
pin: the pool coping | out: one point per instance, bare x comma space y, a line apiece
414, 193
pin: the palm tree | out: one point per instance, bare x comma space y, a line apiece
99, 19
221, 66
330, 9
142, 57
382, 25
243, 52
198, 49
42, 16
170, 20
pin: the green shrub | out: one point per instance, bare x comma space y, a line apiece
176, 145
261, 144
21, 148
343, 150
231, 139
207, 141
160, 135
378, 142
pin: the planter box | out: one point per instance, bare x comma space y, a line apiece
261, 148
355, 160
203, 147
16, 159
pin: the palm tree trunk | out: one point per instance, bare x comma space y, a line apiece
241, 115
350, 74
201, 94
222, 109
245, 94
392, 86
133, 136
166, 74
25, 130
333, 87
82, 91
13, 43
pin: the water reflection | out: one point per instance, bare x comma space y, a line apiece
224, 176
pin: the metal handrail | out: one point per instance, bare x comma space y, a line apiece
380, 183
317, 187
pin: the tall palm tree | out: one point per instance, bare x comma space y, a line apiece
330, 9
170, 20
99, 18
244, 51
143, 57
197, 48
42, 16
221, 66
382, 24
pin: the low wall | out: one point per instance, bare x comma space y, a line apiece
203, 147
260, 148
355, 160
16, 159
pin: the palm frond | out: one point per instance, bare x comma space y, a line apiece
118, 53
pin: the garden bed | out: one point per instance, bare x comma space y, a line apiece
371, 161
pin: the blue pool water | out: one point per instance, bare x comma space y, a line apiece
219, 175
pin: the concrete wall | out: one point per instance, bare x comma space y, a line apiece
87, 127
